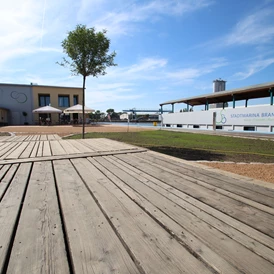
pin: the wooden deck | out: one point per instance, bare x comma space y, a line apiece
100, 206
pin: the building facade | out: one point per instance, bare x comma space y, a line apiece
253, 118
18, 101
245, 118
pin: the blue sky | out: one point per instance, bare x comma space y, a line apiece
165, 49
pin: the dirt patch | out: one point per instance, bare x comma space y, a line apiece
263, 172
67, 129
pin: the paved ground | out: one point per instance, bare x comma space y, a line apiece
101, 206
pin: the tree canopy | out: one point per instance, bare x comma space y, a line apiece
88, 55
88, 51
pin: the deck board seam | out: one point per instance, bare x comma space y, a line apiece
69, 156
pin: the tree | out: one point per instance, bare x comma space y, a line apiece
110, 111
88, 55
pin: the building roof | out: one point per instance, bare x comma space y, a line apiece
35, 85
250, 92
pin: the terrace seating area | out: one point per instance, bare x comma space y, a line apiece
102, 206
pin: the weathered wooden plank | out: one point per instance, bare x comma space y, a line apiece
34, 137
238, 210
39, 245
94, 246
28, 138
43, 137
6, 178
20, 138
27, 152
57, 148
246, 190
100, 144
4, 145
246, 196
3, 170
40, 149
68, 147
66, 156
103, 144
152, 246
57, 137
4, 138
92, 145
15, 154
212, 231
11, 138
197, 247
116, 144
245, 229
81, 147
245, 183
35, 149
10, 208
8, 149
46, 149
50, 137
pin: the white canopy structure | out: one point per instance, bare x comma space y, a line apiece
78, 109
47, 109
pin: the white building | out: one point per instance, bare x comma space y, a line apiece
124, 116
254, 118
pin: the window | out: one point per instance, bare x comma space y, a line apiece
196, 126
249, 128
44, 100
219, 127
63, 100
75, 100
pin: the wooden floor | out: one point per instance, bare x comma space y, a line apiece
100, 206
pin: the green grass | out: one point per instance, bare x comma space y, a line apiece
181, 141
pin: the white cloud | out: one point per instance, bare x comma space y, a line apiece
253, 68
123, 21
147, 64
23, 24
189, 74
256, 28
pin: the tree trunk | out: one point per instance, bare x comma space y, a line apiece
83, 108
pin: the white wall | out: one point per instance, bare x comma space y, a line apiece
229, 118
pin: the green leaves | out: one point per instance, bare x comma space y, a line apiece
87, 52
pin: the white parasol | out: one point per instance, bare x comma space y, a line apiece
78, 109
47, 109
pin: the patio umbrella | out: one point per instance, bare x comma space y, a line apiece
78, 109
47, 109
